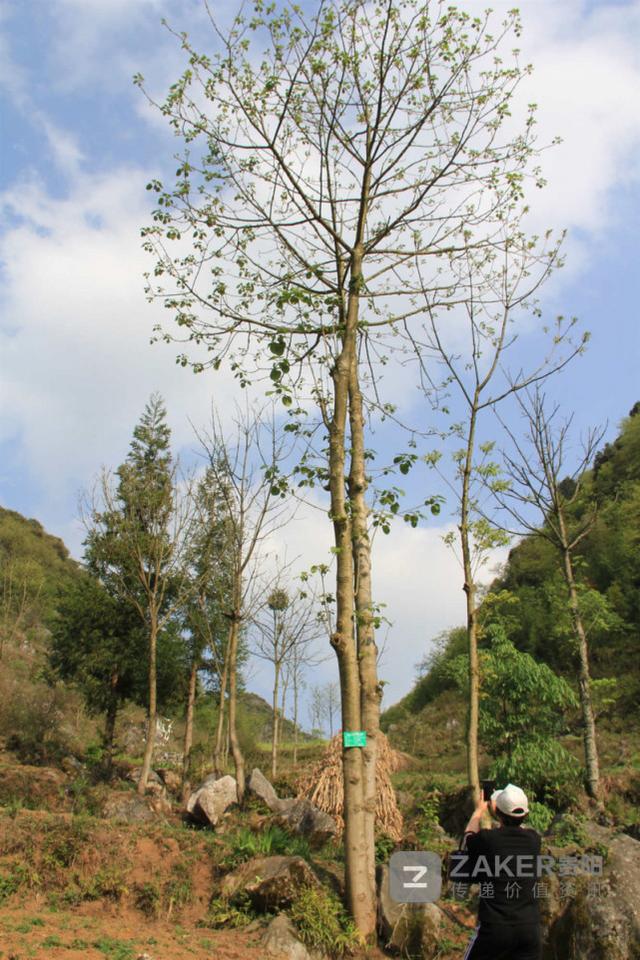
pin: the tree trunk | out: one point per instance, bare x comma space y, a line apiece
238, 758
274, 725
370, 691
295, 717
188, 733
152, 716
219, 749
110, 728
584, 684
473, 714
358, 891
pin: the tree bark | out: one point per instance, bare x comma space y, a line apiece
219, 750
236, 750
110, 727
469, 588
274, 725
584, 684
370, 691
358, 891
152, 715
188, 733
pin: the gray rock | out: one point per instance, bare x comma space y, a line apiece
603, 923
304, 818
269, 882
280, 940
260, 786
127, 807
408, 928
212, 799
171, 779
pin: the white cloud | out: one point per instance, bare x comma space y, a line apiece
76, 363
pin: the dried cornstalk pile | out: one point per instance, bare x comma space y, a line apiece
323, 786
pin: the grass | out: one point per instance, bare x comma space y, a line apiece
245, 844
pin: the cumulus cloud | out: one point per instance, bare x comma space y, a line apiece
76, 363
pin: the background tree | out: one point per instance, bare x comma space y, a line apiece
548, 503
98, 642
205, 623
475, 360
327, 159
137, 539
524, 709
245, 473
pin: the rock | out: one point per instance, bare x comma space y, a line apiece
304, 818
208, 803
603, 920
269, 882
260, 786
155, 786
128, 807
408, 928
281, 940
72, 766
171, 780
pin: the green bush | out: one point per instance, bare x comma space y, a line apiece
540, 817
323, 923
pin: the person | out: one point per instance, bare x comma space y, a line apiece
504, 862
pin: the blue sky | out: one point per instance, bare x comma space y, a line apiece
78, 144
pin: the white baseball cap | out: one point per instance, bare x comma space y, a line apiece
512, 801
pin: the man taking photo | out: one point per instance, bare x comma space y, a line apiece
504, 861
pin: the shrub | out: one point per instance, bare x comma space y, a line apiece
323, 922
540, 817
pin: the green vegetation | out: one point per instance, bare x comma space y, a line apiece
323, 923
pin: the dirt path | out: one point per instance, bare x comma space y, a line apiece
35, 931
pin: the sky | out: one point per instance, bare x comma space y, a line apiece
78, 144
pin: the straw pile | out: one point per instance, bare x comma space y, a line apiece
323, 785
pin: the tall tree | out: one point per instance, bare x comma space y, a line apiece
335, 164
547, 499
137, 539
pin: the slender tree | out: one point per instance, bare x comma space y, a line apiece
204, 615
328, 157
244, 471
283, 639
475, 358
137, 538
547, 501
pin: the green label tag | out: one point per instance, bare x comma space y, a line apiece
355, 738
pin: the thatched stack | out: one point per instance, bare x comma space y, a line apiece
323, 786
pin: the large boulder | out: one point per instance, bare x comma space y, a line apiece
602, 918
260, 787
298, 815
280, 941
410, 929
302, 817
210, 801
270, 883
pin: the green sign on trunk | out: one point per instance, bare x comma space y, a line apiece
354, 738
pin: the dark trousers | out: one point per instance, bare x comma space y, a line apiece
521, 941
